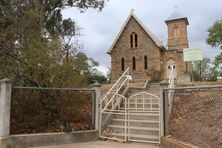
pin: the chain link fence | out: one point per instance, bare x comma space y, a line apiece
196, 115
44, 110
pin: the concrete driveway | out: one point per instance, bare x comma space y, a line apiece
104, 144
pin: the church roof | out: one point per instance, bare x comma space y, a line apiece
157, 42
176, 16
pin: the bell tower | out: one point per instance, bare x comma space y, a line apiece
177, 32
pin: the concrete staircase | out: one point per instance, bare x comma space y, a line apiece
142, 125
151, 88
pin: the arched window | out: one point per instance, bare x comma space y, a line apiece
136, 40
145, 62
176, 32
134, 63
122, 64
133, 40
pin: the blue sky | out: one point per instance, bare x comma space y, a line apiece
99, 29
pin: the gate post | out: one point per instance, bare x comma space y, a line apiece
163, 104
97, 88
5, 106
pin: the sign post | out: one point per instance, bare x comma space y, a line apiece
190, 55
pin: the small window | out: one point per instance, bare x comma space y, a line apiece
133, 40
122, 64
174, 66
169, 67
145, 62
134, 63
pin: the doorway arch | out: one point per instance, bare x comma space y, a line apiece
171, 64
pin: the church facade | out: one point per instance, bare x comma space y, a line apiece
137, 48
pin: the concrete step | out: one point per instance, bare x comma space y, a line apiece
138, 123
139, 116
156, 93
144, 138
147, 106
147, 90
147, 110
151, 90
134, 111
119, 121
136, 137
134, 130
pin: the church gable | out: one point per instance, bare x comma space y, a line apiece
134, 37
133, 26
135, 47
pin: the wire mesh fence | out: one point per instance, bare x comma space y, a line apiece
196, 115
43, 110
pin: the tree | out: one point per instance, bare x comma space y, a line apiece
36, 44
201, 70
215, 40
215, 35
216, 69
109, 75
207, 69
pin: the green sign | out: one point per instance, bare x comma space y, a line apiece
192, 54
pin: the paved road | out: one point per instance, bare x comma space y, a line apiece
104, 144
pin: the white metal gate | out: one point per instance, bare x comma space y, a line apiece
139, 116
144, 118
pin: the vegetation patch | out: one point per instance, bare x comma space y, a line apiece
43, 111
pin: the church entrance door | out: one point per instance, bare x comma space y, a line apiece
171, 65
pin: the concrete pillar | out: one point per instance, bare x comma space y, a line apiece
164, 106
5, 106
97, 88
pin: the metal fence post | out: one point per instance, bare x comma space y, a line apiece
163, 85
97, 88
5, 106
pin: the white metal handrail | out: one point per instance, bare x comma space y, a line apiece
110, 102
171, 79
124, 79
171, 85
116, 99
125, 74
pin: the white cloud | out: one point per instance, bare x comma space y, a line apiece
101, 28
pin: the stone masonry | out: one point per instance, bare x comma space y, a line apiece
157, 55
145, 47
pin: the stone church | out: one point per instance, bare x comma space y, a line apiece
137, 48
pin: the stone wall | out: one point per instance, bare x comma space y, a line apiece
122, 49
